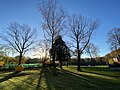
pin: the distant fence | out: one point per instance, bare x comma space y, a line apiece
12, 66
90, 63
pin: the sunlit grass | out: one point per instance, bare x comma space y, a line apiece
90, 78
102, 70
100, 76
26, 80
97, 72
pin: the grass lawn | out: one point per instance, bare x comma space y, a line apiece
90, 78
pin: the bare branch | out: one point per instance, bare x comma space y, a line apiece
19, 37
54, 17
113, 38
81, 30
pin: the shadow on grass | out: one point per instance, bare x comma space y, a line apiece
105, 71
8, 76
103, 74
14, 74
66, 80
25, 80
38, 87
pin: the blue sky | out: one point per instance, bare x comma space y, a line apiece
26, 11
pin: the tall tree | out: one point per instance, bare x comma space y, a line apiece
81, 30
113, 39
53, 16
61, 50
19, 37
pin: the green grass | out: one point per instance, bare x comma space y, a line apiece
90, 78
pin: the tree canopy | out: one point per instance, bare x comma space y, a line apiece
61, 50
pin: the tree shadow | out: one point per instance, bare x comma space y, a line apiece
104, 72
25, 80
38, 86
98, 79
31, 82
66, 80
14, 74
43, 79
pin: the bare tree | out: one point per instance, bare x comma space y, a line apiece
53, 16
19, 37
81, 30
113, 39
42, 50
92, 50
6, 50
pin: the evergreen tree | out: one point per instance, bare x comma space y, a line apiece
61, 51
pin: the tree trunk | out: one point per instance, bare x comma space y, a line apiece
53, 61
43, 63
78, 68
60, 61
20, 59
67, 63
50, 63
78, 57
53, 54
53, 58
